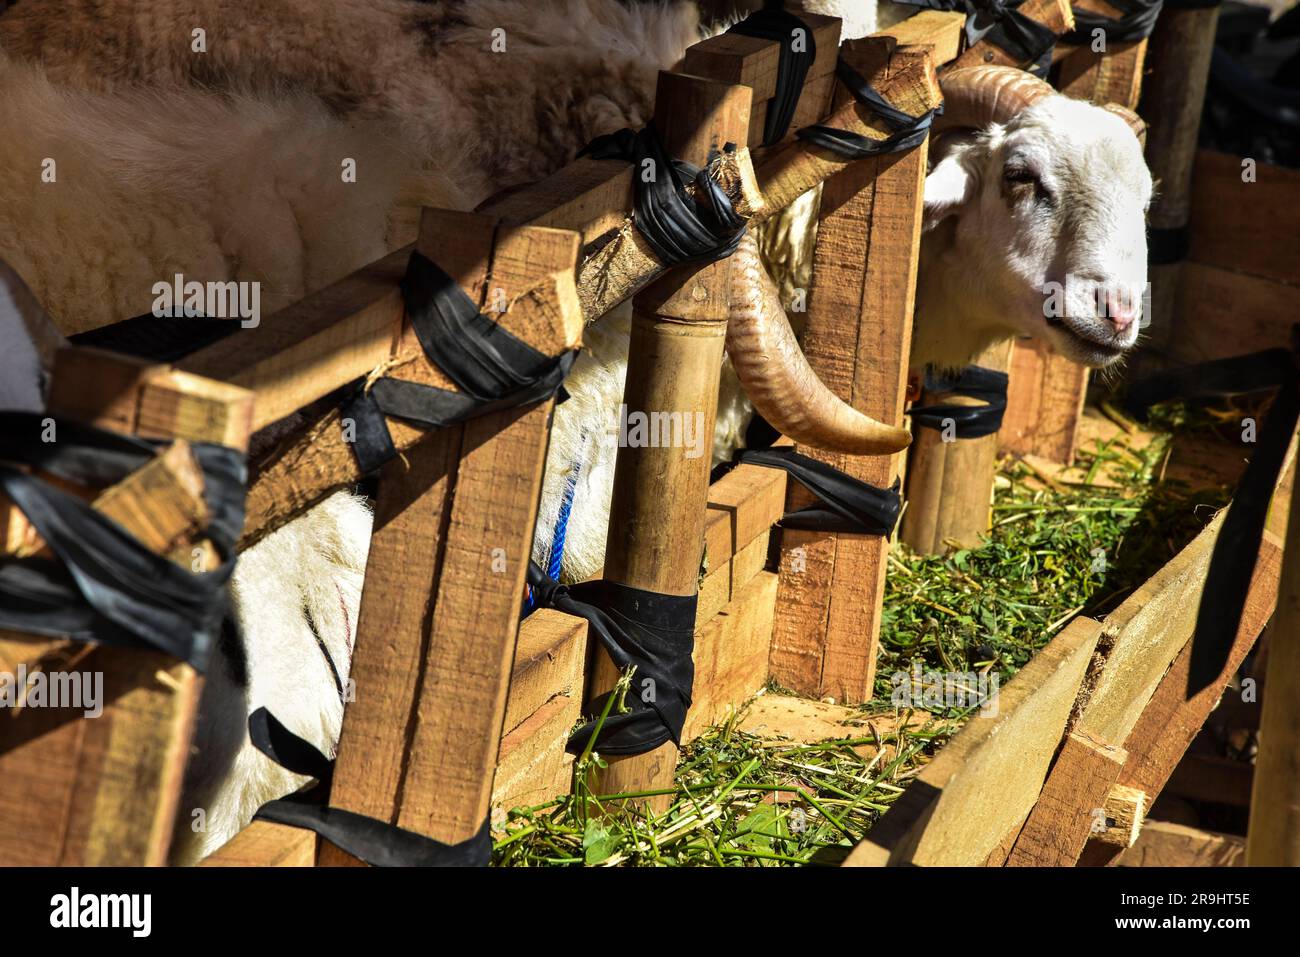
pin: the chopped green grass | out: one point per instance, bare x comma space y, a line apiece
1056, 550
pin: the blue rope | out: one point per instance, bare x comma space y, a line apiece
557, 538
562, 526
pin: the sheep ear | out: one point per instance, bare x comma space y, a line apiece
950, 186
30, 338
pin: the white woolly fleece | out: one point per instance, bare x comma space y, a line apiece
102, 196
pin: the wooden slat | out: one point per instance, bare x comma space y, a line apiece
309, 349
1245, 227
439, 613
985, 781
743, 505
544, 705
863, 292
1228, 313
1178, 69
752, 62
266, 844
549, 661
936, 31
104, 790
1044, 403
731, 655
1274, 832
1170, 720
1143, 637
318, 458
1163, 844
1072, 803
1054, 14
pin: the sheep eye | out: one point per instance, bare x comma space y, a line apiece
1020, 176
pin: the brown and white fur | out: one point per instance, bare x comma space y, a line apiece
407, 86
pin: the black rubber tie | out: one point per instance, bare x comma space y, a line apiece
107, 586
847, 505
375, 842
493, 369
774, 23
1002, 24
678, 227
1136, 23
653, 632
970, 421
908, 131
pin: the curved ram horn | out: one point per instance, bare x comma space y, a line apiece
777, 377
1135, 122
979, 95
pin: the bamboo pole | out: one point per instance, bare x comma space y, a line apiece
657, 515
1173, 95
950, 481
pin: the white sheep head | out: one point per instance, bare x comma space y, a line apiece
1035, 210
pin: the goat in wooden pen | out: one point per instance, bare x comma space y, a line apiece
1039, 190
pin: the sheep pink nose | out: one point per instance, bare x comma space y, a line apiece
1121, 310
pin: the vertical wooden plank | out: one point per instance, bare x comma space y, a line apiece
1178, 70
1273, 837
449, 553
103, 790
1045, 399
857, 339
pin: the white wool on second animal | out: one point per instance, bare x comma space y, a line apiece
296, 595
585, 441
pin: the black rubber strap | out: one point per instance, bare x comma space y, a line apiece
158, 338
1002, 24
774, 23
1137, 22
848, 505
679, 227
107, 586
1165, 246
1232, 563
908, 130
970, 421
654, 632
493, 369
378, 843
